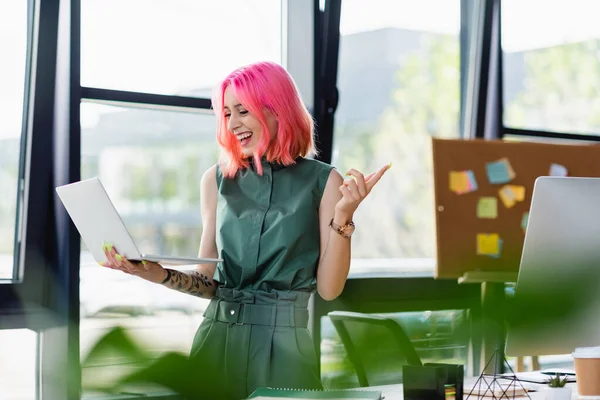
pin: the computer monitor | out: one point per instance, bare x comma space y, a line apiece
556, 306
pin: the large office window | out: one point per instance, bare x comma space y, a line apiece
399, 85
151, 151
551, 79
151, 158
150, 162
174, 46
13, 47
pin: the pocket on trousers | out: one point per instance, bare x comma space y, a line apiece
201, 336
305, 345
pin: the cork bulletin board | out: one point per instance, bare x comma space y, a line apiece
483, 193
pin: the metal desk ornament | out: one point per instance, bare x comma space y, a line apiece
498, 385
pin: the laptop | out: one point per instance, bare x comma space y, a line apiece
556, 306
98, 222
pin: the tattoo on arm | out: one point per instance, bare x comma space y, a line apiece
194, 283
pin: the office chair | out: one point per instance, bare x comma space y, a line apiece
377, 347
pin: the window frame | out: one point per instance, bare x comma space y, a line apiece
521, 132
26, 294
8, 295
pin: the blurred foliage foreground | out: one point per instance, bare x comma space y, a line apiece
140, 371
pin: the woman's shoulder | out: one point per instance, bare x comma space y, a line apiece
211, 172
212, 175
314, 165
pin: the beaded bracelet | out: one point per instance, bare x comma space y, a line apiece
168, 276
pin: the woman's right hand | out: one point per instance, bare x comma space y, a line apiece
147, 270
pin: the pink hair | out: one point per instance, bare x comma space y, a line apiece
260, 86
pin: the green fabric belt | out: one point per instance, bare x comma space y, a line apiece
257, 314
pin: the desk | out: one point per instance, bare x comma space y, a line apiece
395, 392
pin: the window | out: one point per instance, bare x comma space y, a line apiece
551, 78
150, 162
13, 47
399, 85
18, 363
150, 157
174, 47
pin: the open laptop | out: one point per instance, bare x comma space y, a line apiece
556, 306
98, 222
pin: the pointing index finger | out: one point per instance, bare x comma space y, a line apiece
375, 177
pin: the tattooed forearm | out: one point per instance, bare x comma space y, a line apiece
194, 283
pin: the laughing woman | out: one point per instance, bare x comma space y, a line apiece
280, 221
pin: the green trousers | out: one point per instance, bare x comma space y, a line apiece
247, 341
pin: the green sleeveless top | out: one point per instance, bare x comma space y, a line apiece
267, 227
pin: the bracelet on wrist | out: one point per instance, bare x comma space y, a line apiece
168, 276
345, 230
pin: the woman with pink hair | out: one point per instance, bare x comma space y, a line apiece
280, 221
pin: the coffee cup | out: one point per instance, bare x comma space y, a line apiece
587, 371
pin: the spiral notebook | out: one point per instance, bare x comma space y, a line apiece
276, 393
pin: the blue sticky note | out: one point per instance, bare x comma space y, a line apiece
558, 170
499, 171
472, 180
524, 220
497, 255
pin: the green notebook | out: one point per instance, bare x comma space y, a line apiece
272, 393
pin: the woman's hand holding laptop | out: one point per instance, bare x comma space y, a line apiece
147, 270
197, 283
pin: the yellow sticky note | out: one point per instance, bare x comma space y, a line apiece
462, 182
518, 191
487, 207
488, 244
459, 182
507, 196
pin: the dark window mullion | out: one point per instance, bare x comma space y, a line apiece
150, 99
484, 68
326, 70
549, 135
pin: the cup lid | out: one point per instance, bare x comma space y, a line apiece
587, 352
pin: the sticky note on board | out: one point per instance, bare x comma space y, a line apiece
524, 220
488, 244
472, 181
487, 207
497, 255
518, 192
558, 170
499, 171
458, 182
462, 182
507, 196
